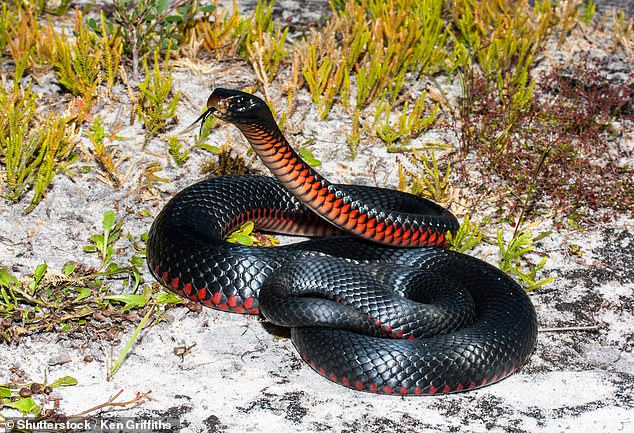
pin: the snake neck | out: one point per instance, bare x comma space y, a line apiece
345, 212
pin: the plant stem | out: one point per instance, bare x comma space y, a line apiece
531, 186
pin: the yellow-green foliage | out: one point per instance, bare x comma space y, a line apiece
354, 136
377, 42
409, 123
221, 30
514, 261
264, 44
60, 8
31, 154
258, 38
110, 53
150, 177
261, 22
266, 53
502, 37
156, 103
588, 10
180, 156
5, 20
106, 156
329, 55
19, 151
58, 146
496, 44
21, 35
406, 36
467, 237
624, 32
29, 43
78, 63
427, 179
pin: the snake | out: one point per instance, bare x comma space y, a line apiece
374, 299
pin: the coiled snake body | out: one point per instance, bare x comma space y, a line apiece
374, 302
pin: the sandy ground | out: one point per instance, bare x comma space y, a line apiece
240, 376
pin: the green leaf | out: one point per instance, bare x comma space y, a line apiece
207, 9
161, 5
5, 392
130, 300
137, 261
247, 228
90, 248
109, 220
240, 238
130, 343
173, 19
83, 294
70, 267
8, 305
541, 283
24, 405
209, 148
542, 235
109, 253
308, 156
168, 298
97, 239
64, 381
6, 279
92, 24
40, 270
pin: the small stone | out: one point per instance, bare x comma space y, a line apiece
59, 360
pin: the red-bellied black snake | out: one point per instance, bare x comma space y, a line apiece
375, 302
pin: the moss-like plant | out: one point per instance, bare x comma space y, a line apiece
58, 150
157, 104
377, 43
353, 137
78, 63
31, 155
6, 16
426, 179
225, 163
328, 56
266, 53
111, 47
221, 30
107, 158
180, 156
468, 236
514, 259
409, 123
22, 36
20, 153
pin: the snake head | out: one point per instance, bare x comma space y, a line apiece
237, 107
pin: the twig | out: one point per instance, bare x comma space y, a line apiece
112, 403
